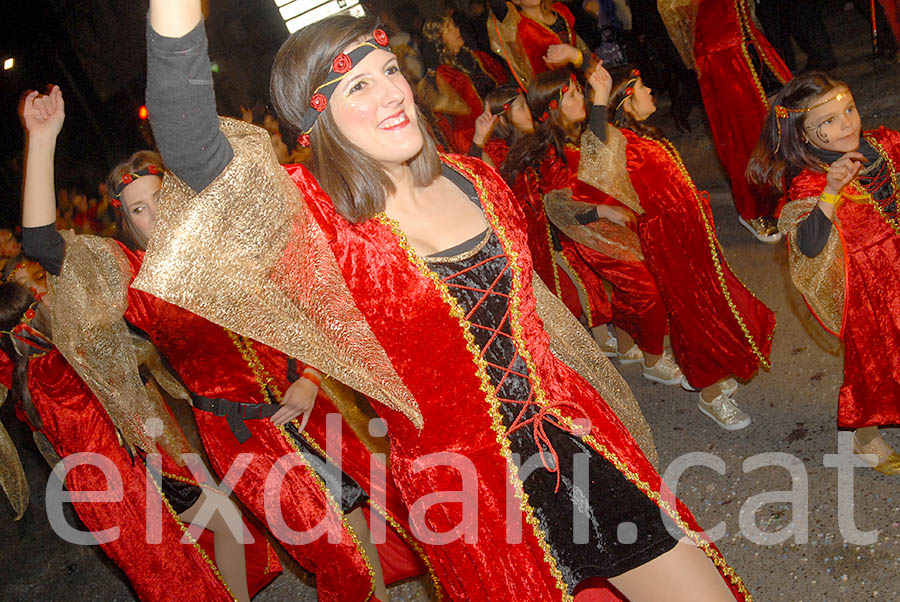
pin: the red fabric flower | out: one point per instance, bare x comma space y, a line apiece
29, 315
115, 203
380, 37
505, 107
565, 88
127, 178
303, 139
545, 116
341, 64
629, 91
318, 102
153, 169
635, 73
553, 104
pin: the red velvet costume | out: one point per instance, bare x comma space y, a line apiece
409, 309
459, 129
736, 104
215, 363
717, 327
870, 326
74, 421
637, 306
535, 38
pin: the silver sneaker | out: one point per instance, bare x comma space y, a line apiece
727, 386
632, 356
725, 412
665, 371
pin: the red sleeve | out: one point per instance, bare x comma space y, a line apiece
143, 308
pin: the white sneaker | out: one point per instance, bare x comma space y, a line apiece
727, 386
632, 356
665, 371
610, 347
725, 412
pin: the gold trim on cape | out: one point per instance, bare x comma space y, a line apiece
247, 254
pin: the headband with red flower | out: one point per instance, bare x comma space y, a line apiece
633, 78
115, 198
554, 103
28, 335
340, 66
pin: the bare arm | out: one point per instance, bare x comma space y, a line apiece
174, 18
42, 116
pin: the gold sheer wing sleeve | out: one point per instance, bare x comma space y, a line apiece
602, 235
819, 279
603, 165
87, 304
12, 476
504, 38
680, 17
247, 254
571, 343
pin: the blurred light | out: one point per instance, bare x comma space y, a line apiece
297, 14
142, 112
214, 67
9, 64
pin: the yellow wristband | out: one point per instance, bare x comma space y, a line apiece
830, 199
580, 60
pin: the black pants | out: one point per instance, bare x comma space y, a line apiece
801, 20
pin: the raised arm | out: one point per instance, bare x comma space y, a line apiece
180, 96
42, 116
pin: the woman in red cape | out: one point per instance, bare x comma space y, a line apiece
717, 327
614, 255
221, 369
470, 73
844, 241
470, 383
737, 69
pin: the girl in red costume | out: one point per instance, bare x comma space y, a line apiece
427, 261
548, 160
844, 241
471, 74
533, 36
237, 386
737, 69
717, 327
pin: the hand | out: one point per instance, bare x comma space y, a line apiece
43, 115
842, 172
600, 82
622, 216
483, 126
246, 114
298, 399
559, 55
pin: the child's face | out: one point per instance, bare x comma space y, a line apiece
835, 125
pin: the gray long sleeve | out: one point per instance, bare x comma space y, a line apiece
182, 107
813, 232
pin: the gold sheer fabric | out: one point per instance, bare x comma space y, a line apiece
571, 343
247, 254
604, 166
680, 17
504, 37
819, 279
440, 97
12, 476
613, 240
87, 304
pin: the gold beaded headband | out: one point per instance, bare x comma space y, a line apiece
633, 77
340, 66
782, 112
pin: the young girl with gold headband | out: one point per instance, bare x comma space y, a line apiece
843, 233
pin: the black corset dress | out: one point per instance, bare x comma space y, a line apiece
603, 531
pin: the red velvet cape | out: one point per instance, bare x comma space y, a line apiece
210, 364
75, 421
535, 37
717, 327
425, 334
735, 102
870, 394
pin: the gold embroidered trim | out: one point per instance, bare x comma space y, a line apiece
412, 543
267, 383
715, 251
579, 283
895, 180
464, 255
743, 14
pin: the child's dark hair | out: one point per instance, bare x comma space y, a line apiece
530, 151
15, 300
498, 102
782, 152
622, 119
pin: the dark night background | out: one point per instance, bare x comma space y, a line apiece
95, 51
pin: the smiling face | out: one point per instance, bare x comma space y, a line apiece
572, 104
140, 200
835, 125
373, 108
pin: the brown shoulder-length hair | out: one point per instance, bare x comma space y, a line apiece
497, 101
126, 233
531, 150
779, 157
357, 184
622, 118
14, 302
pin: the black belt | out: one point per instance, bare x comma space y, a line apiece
236, 413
